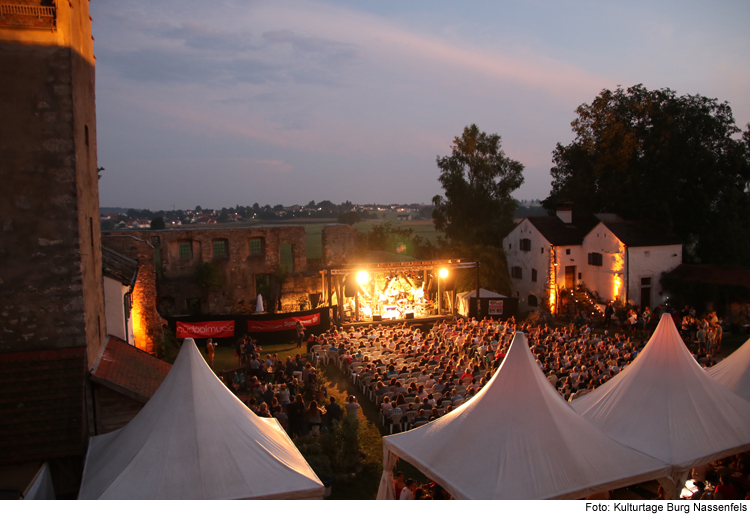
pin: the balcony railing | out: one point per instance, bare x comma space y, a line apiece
27, 16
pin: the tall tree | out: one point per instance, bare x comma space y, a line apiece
675, 160
477, 179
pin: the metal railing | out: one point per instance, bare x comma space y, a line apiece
27, 10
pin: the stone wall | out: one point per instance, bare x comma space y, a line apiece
297, 289
147, 328
339, 242
239, 256
50, 276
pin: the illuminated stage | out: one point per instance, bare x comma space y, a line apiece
393, 291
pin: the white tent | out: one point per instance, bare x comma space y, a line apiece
463, 299
734, 371
517, 439
195, 440
41, 488
665, 405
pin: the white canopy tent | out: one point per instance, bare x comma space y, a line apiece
734, 371
463, 299
665, 405
195, 440
517, 439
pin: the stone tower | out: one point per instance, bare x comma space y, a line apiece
50, 253
51, 300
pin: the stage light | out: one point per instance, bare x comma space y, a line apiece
443, 273
362, 277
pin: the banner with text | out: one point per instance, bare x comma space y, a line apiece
207, 329
288, 323
496, 308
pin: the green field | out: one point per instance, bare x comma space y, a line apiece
314, 229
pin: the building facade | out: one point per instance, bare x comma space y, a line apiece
216, 271
615, 259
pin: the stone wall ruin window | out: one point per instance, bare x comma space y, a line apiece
257, 247
186, 250
220, 248
286, 258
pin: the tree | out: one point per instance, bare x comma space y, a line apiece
349, 217
386, 237
158, 223
676, 161
478, 179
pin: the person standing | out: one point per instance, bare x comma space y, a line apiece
300, 334
351, 409
210, 353
609, 311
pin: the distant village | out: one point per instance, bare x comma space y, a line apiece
117, 218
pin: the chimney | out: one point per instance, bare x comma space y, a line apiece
564, 212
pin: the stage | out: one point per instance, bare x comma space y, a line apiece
395, 292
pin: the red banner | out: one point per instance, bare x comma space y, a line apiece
208, 329
289, 323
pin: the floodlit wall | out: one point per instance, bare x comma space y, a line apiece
534, 257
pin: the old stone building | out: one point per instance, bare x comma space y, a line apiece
52, 315
222, 271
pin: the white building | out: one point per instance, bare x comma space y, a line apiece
119, 274
619, 260
625, 260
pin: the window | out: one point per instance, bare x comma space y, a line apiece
567, 251
194, 306
257, 246
595, 259
157, 263
533, 275
516, 272
542, 249
525, 244
510, 246
646, 281
263, 286
186, 250
647, 254
533, 300
155, 240
221, 248
286, 258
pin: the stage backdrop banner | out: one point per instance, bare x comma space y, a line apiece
207, 329
288, 323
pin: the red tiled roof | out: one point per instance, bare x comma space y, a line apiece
129, 370
42, 404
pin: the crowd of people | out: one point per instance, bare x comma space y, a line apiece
414, 376
286, 390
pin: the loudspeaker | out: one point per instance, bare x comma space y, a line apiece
409, 315
377, 318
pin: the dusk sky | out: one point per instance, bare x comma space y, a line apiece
223, 103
